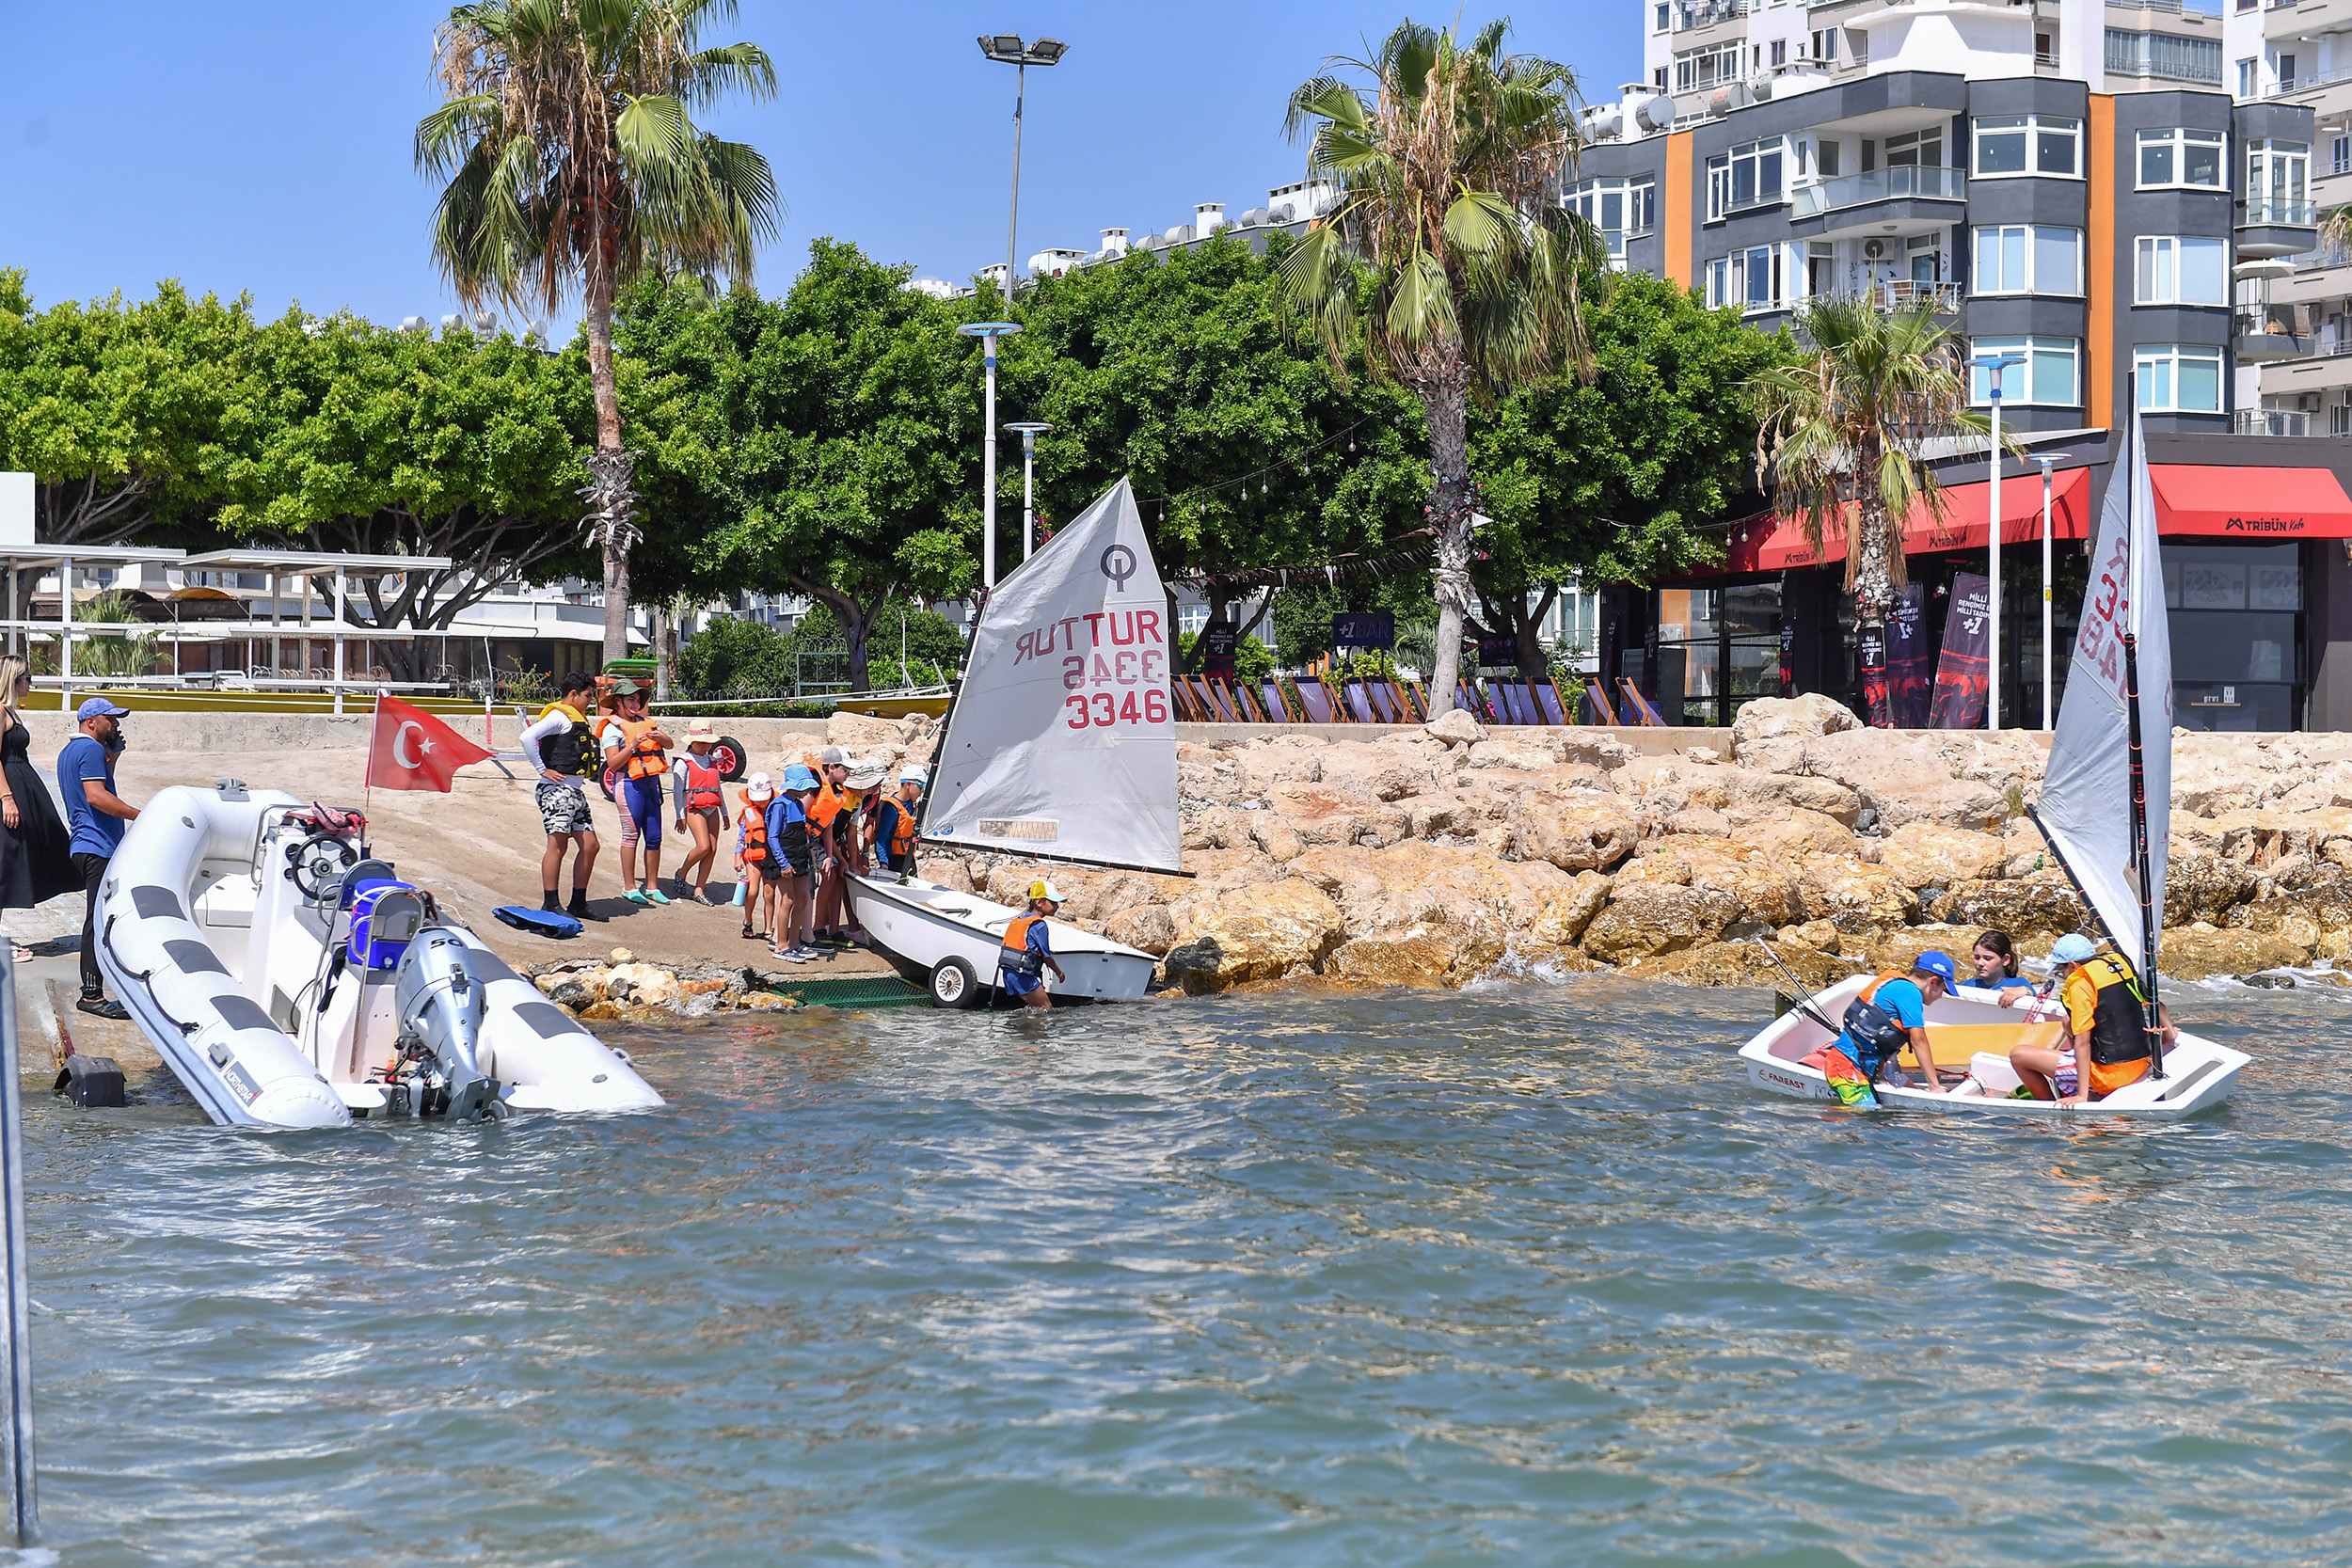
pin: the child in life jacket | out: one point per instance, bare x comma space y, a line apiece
636, 750
1027, 950
756, 859
701, 786
2105, 1023
792, 936
1891, 1013
893, 822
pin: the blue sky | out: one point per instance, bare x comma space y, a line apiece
265, 146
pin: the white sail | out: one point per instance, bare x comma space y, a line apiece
1060, 742
2085, 807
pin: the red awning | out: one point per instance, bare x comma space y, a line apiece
1962, 525
2250, 503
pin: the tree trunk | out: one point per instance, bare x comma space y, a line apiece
1442, 384
1526, 633
614, 534
664, 653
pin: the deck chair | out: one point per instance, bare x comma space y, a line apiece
1638, 705
1314, 701
1468, 698
1416, 701
1517, 707
1359, 703
1220, 700
1278, 707
1245, 710
1548, 702
1597, 693
1388, 702
1180, 687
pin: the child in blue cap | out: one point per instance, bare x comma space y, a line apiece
789, 830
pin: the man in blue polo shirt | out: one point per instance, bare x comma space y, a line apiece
85, 782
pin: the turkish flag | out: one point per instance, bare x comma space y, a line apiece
412, 749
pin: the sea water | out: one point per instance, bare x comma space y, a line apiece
1525, 1274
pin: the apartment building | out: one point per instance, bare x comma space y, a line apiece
2113, 196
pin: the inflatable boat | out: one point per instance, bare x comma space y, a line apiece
291, 980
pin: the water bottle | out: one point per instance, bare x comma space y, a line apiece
739, 894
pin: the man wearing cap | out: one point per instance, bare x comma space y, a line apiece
1891, 1013
85, 782
893, 822
1027, 952
2104, 1015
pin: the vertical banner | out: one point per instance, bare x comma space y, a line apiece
1960, 676
1870, 646
1788, 654
1909, 678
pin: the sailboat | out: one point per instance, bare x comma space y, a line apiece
2104, 811
1058, 746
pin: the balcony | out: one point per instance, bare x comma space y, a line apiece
1862, 202
1687, 16
2270, 421
2258, 338
2274, 226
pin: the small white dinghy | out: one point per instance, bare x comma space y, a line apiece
289, 981
2110, 758
1978, 1037
1059, 745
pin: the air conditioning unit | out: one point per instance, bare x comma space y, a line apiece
1874, 249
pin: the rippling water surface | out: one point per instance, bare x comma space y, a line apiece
1519, 1275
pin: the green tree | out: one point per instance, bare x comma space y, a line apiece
1472, 275
338, 435
1247, 448
1849, 420
572, 160
1615, 479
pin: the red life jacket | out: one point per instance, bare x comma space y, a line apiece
703, 780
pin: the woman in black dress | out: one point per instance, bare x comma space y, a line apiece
34, 862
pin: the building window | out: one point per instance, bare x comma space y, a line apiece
1825, 46
2340, 153
2028, 144
1780, 52
2178, 378
1662, 21
1919, 149
2184, 269
2286, 74
2047, 378
2028, 259
1658, 78
1825, 159
1747, 176
2182, 157
1759, 280
2246, 79
2165, 56
1620, 209
2277, 181
1703, 69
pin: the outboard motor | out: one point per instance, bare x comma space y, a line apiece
437, 997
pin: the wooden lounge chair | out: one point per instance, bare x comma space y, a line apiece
1518, 706
1597, 693
1638, 705
1188, 708
1278, 706
1388, 701
1221, 701
1245, 708
1549, 702
1314, 700
1359, 698
1470, 701
1416, 701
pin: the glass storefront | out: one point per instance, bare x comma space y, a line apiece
1716, 648
2237, 634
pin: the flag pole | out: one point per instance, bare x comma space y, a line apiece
375, 719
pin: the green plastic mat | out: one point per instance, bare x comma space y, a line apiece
870, 991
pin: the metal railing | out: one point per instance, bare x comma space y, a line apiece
2194, 7
2310, 82
2270, 421
1895, 295
2279, 210
1855, 190
1689, 17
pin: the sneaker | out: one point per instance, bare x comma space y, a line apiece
809, 951
637, 895
99, 1007
656, 896
833, 939
788, 955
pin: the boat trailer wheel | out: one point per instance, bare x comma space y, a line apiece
954, 985
733, 759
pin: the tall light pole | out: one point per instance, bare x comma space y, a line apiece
1030, 430
1005, 49
1996, 364
2048, 460
989, 332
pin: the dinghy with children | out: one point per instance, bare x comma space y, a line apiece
1058, 746
292, 980
2103, 810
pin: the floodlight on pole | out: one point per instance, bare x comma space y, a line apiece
988, 332
1006, 49
1994, 364
1030, 430
2048, 461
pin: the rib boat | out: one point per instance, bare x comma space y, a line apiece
2105, 811
1058, 746
292, 980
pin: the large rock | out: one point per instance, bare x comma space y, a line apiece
1423, 955
1275, 836
2315, 920
2198, 953
1901, 949
1319, 814
2205, 887
2038, 908
1455, 727
1206, 776
1744, 963
1263, 764
1903, 780
1769, 733
1258, 933
1923, 854
1573, 834
1481, 900
1652, 918
1148, 927
1564, 919
862, 735
1858, 898
1386, 770
1797, 835
1756, 877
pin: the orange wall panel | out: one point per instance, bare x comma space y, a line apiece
2101, 266
1680, 197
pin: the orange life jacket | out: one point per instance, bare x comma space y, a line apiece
703, 780
826, 806
754, 825
640, 753
1015, 955
902, 834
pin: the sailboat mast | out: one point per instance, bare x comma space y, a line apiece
2150, 917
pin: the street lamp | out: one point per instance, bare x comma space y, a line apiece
1995, 363
1030, 430
1005, 49
989, 332
2048, 460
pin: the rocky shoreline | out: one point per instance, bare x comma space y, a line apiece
1455, 853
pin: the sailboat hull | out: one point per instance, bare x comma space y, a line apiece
921, 926
1964, 1032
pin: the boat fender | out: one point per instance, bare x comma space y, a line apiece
90, 1082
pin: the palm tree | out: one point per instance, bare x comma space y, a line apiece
571, 160
1446, 256
1851, 421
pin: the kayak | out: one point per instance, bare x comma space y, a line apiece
1977, 1037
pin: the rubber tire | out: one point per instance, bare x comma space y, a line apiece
604, 781
734, 761
954, 985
